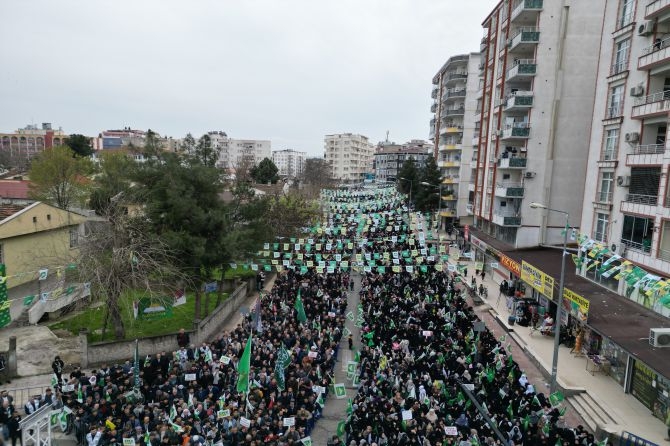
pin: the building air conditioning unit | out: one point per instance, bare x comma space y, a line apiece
623, 181
529, 175
659, 337
637, 91
632, 137
646, 28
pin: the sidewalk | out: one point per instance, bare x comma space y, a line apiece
601, 395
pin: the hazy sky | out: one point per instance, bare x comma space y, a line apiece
286, 70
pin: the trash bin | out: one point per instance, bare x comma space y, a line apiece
511, 320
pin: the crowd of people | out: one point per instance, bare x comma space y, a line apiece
426, 369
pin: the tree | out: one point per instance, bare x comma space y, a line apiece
317, 175
121, 256
59, 178
288, 214
153, 147
427, 196
205, 153
80, 144
408, 176
265, 172
113, 181
188, 144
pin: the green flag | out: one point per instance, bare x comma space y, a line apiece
510, 410
243, 368
80, 395
302, 317
341, 427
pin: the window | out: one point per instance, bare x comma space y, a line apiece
621, 56
611, 145
615, 102
626, 14
74, 237
606, 187
602, 226
637, 232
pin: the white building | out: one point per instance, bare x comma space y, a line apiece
627, 195
290, 163
350, 156
538, 78
452, 130
233, 152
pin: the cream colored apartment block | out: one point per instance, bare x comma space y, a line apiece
350, 156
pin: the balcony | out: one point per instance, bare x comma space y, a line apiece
448, 163
651, 154
526, 11
448, 213
644, 247
502, 218
518, 130
475, 141
524, 40
452, 179
451, 77
656, 8
655, 55
522, 69
453, 111
433, 108
655, 104
521, 100
435, 92
453, 129
453, 93
449, 196
509, 190
450, 146
639, 204
512, 163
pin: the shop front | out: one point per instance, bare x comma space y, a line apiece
651, 389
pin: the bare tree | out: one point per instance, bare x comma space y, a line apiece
317, 175
119, 256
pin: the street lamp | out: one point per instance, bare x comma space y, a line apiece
559, 302
411, 183
439, 206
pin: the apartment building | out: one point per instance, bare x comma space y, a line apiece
128, 137
538, 74
350, 156
290, 163
453, 131
389, 158
627, 198
235, 152
19, 146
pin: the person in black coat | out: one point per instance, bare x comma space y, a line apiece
57, 365
15, 428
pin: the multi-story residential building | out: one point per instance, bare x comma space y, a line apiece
350, 156
290, 163
453, 131
537, 94
389, 158
627, 195
27, 142
234, 153
128, 137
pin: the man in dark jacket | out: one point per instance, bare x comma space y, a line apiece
183, 338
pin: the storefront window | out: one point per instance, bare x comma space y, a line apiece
617, 358
651, 389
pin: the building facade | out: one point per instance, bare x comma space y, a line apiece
627, 196
350, 157
389, 158
25, 143
453, 130
234, 153
290, 163
537, 93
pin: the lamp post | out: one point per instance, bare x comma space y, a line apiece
439, 206
411, 183
559, 301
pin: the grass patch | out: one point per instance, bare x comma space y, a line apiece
240, 272
94, 318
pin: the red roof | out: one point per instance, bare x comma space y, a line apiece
14, 189
7, 210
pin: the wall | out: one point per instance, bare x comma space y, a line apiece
118, 351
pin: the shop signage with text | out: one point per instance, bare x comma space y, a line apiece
543, 283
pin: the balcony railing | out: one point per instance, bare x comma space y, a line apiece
642, 247
509, 190
454, 93
614, 111
519, 100
655, 54
524, 35
649, 149
650, 200
655, 7
454, 111
512, 163
516, 130
604, 197
522, 67
608, 155
656, 103
455, 76
525, 6
619, 66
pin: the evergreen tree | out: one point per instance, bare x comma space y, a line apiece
427, 192
265, 172
408, 177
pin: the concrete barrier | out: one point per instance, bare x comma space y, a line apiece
117, 351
